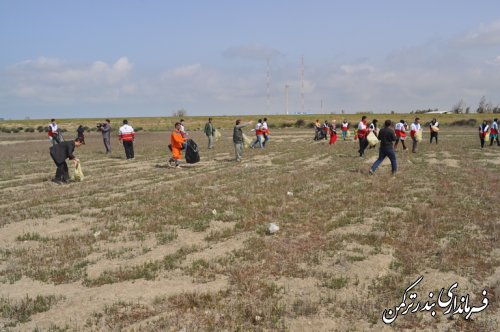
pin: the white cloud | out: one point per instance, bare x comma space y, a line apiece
51, 80
484, 35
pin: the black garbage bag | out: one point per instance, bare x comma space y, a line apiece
192, 153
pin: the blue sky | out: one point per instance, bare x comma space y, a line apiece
150, 58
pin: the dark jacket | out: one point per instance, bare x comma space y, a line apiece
62, 151
386, 137
238, 133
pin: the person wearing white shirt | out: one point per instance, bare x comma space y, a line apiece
265, 132
258, 135
414, 129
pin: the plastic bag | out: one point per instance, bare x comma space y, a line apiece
217, 135
372, 139
418, 135
78, 172
247, 142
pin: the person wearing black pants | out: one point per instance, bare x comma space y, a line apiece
362, 135
434, 134
386, 136
126, 135
59, 153
129, 149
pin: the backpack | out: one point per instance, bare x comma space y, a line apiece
192, 154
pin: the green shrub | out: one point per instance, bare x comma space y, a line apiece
29, 130
300, 123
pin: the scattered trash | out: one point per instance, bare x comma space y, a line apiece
289, 193
96, 234
258, 318
273, 228
214, 212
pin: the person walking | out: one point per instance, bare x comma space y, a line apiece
105, 129
238, 138
176, 143
400, 130
126, 135
59, 153
362, 133
494, 132
258, 135
387, 137
415, 129
483, 131
209, 131
333, 132
434, 129
80, 131
345, 129
265, 132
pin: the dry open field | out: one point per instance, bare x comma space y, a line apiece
139, 246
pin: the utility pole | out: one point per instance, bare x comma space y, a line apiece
286, 99
302, 85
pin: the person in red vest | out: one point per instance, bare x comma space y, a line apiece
345, 128
126, 135
177, 140
362, 134
400, 130
333, 132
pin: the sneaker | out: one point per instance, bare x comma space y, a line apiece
56, 181
370, 172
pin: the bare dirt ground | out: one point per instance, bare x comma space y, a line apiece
139, 246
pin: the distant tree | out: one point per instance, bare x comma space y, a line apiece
392, 112
180, 113
482, 105
467, 110
458, 108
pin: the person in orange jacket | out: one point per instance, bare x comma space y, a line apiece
176, 142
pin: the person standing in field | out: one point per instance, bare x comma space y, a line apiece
434, 129
258, 135
209, 131
126, 135
81, 133
414, 131
326, 129
54, 132
483, 131
317, 130
238, 138
400, 131
105, 129
265, 132
494, 132
176, 143
345, 129
387, 137
362, 133
59, 153
333, 132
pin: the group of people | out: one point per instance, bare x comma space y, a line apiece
389, 137
486, 131
62, 150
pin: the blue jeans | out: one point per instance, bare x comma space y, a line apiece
386, 151
258, 140
266, 138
